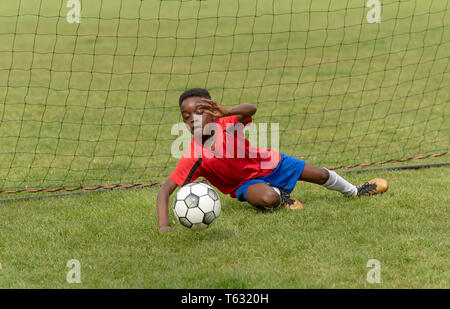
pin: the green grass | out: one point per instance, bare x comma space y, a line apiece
326, 245
93, 103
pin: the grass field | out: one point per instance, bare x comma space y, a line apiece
93, 104
326, 245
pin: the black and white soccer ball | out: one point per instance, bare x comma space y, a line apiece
196, 206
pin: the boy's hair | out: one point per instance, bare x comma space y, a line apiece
194, 92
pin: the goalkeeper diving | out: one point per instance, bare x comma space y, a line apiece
262, 177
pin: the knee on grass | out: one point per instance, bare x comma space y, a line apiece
269, 199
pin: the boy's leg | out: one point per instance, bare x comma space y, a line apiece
262, 195
328, 179
314, 174
331, 180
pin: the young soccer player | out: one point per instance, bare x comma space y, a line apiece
220, 153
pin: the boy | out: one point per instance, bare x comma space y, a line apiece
262, 177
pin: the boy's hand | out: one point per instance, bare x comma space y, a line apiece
244, 112
162, 205
213, 108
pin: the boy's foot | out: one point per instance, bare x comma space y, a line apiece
289, 202
372, 187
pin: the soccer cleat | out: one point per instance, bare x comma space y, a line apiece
289, 202
372, 187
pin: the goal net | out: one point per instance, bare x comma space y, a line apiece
89, 89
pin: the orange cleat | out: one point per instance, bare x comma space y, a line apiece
372, 187
289, 202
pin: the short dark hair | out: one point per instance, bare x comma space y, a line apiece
194, 92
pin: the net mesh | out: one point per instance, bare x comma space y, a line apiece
93, 102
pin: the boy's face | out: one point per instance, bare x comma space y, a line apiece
193, 115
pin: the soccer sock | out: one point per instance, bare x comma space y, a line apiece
337, 183
277, 191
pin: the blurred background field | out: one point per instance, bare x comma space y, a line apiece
94, 103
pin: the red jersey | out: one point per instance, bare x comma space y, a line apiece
229, 162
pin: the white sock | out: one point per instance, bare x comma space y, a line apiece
277, 191
337, 183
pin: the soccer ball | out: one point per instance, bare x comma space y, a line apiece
196, 206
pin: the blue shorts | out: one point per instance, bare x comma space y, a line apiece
284, 176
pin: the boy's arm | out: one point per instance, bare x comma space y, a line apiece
243, 111
162, 204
